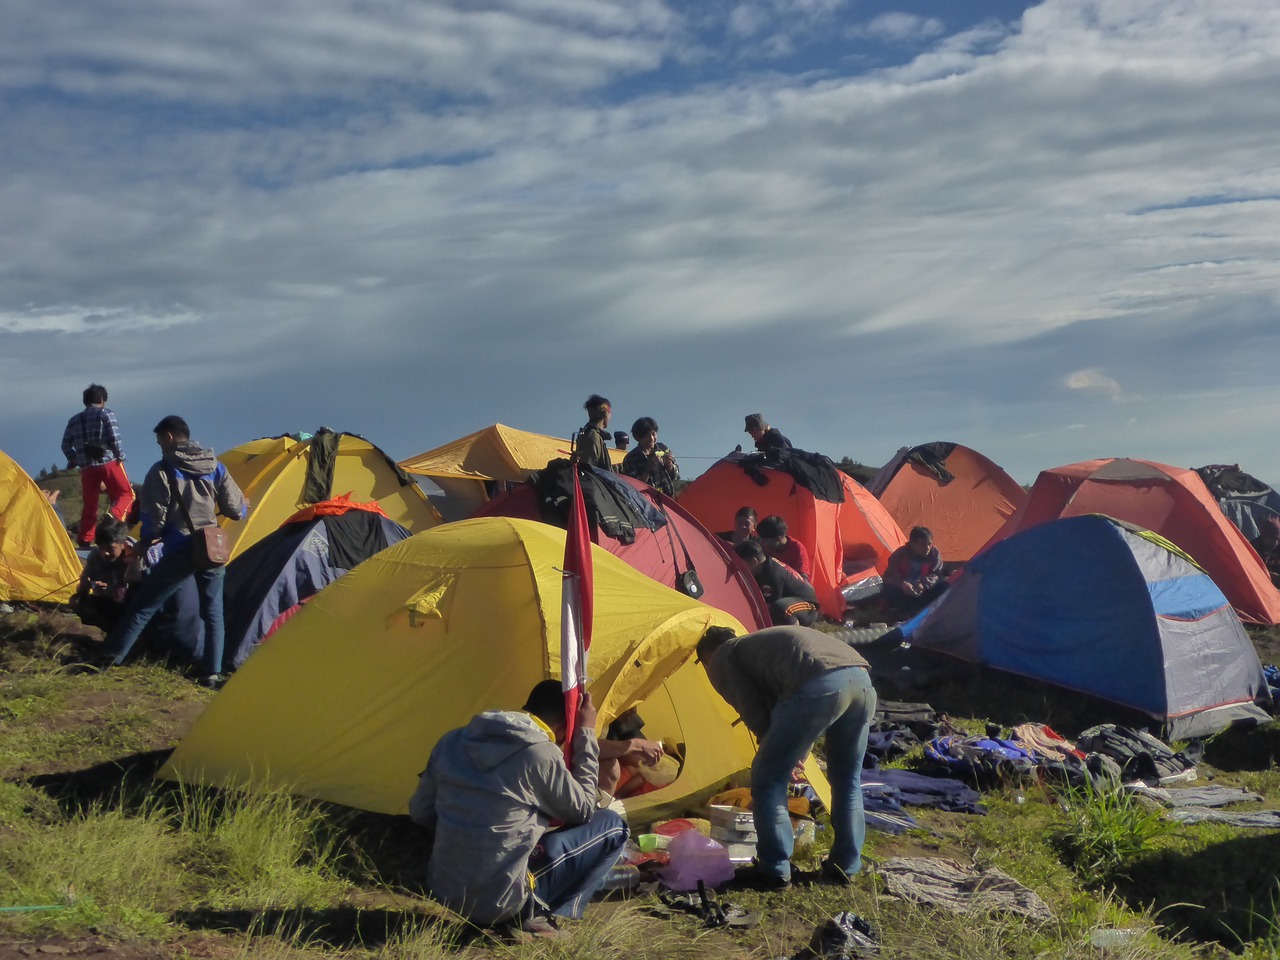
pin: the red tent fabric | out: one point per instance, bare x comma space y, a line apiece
658, 555
1170, 501
962, 513
846, 541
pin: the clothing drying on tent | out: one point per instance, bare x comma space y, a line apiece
847, 538
1106, 609
1246, 500
281, 475
665, 546
346, 700
471, 470
309, 551
1170, 501
960, 495
37, 559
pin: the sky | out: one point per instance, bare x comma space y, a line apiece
1050, 232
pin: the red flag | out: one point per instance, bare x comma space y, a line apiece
575, 612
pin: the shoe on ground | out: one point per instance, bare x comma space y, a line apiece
213, 681
832, 875
754, 878
542, 928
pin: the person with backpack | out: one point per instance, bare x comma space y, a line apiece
592, 447
91, 444
184, 492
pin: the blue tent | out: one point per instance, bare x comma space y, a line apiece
1104, 608
295, 562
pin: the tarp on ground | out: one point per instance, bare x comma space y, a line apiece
962, 496
347, 699
1106, 609
38, 561
281, 475
1170, 501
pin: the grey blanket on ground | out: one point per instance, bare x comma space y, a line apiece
948, 886
1208, 796
1261, 819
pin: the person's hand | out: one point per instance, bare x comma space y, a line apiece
643, 751
586, 712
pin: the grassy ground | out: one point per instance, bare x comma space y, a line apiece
98, 858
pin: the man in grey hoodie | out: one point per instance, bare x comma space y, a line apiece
183, 492
489, 794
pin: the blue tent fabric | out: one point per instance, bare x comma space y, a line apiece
295, 562
1087, 604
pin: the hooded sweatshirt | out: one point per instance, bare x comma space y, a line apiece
490, 791
191, 474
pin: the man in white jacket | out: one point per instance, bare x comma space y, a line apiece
489, 794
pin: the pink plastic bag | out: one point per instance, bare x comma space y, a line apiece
693, 858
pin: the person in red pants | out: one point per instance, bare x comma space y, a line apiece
91, 444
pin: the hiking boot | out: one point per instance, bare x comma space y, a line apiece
213, 681
754, 878
829, 873
543, 928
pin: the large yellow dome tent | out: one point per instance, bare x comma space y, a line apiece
281, 475
37, 559
346, 700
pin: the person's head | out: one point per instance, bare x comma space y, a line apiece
599, 409
111, 537
171, 431
752, 554
546, 702
744, 522
756, 425
920, 540
645, 431
1269, 531
713, 640
94, 394
773, 533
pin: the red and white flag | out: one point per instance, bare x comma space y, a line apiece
575, 612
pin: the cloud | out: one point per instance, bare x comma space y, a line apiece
898, 27
1093, 380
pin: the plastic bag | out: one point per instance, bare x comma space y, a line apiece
693, 858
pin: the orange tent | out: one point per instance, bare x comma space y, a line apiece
960, 495
858, 531
1170, 501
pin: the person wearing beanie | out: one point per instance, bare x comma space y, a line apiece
767, 438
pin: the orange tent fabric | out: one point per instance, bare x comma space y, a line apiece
1170, 501
964, 513
859, 529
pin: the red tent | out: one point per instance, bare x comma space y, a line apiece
846, 541
658, 553
1170, 501
960, 495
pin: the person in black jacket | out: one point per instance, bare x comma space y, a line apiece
767, 438
651, 462
790, 597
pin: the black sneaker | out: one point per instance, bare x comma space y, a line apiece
213, 681
753, 878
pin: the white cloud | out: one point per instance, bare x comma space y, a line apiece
1093, 380
898, 27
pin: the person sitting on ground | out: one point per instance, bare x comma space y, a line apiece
488, 796
791, 598
651, 462
767, 438
110, 571
792, 685
776, 543
744, 527
1267, 543
623, 751
592, 447
913, 576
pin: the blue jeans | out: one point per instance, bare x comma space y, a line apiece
840, 703
164, 580
570, 864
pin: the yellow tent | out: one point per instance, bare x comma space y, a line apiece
497, 453
273, 473
346, 700
37, 559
